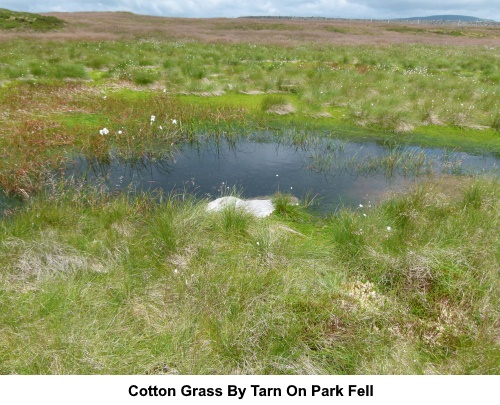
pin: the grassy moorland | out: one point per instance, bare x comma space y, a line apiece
97, 284
93, 282
13, 20
58, 91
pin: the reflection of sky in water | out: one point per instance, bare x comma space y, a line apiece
261, 169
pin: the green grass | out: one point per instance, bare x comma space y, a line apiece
13, 20
101, 283
273, 101
496, 122
374, 88
96, 284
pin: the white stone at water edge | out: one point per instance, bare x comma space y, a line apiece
259, 208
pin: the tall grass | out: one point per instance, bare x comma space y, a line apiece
93, 283
378, 87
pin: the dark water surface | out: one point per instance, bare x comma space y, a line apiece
335, 172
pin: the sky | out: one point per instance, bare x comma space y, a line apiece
377, 9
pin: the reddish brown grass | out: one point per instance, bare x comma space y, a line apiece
118, 25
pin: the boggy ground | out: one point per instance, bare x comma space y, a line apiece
57, 94
93, 282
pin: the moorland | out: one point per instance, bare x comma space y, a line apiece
101, 282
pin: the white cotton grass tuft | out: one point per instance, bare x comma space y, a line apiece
104, 131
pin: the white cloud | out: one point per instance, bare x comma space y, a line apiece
228, 8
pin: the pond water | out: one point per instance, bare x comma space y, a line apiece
330, 172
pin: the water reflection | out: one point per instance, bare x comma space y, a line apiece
336, 172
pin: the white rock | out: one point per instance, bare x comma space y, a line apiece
259, 208
221, 203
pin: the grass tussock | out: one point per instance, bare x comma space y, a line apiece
140, 284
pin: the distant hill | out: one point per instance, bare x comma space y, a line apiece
465, 18
13, 20
432, 19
